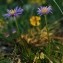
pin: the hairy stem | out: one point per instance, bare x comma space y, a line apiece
48, 48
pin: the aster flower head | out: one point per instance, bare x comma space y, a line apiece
13, 12
44, 10
13, 31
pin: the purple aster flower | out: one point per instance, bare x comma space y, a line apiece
13, 13
44, 10
13, 31
6, 35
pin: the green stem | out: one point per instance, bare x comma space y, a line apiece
17, 27
58, 6
48, 51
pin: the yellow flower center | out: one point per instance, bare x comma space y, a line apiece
44, 10
12, 12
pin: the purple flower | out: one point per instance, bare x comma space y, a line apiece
6, 35
44, 10
13, 13
13, 31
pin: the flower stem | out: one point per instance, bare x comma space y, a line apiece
58, 6
17, 27
48, 48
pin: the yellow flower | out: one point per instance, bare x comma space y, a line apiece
35, 20
38, 18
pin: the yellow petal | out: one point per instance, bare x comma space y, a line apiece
38, 23
38, 18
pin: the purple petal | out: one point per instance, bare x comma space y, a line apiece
16, 8
6, 15
39, 11
18, 11
13, 31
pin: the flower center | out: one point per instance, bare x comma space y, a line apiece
12, 12
44, 10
